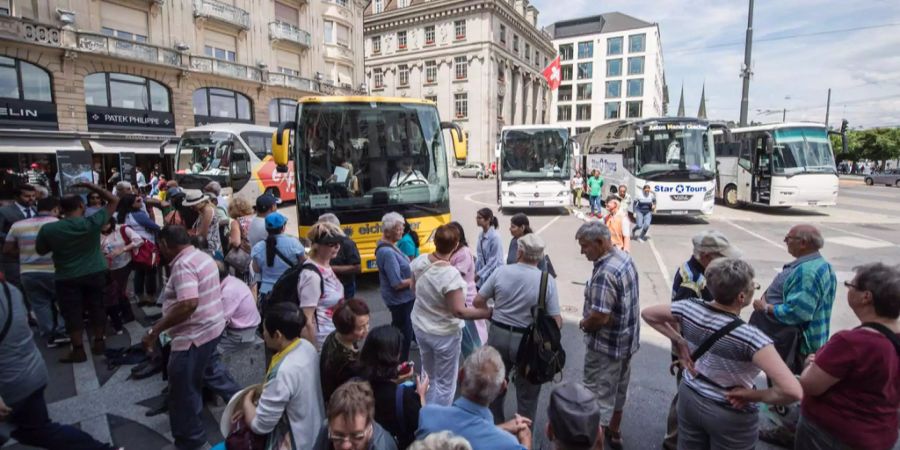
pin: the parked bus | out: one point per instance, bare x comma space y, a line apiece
675, 156
238, 156
361, 157
535, 167
784, 164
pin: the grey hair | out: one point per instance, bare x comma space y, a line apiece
123, 185
391, 220
883, 281
443, 440
727, 278
484, 374
213, 186
592, 231
529, 258
329, 218
811, 235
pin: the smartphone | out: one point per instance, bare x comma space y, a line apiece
406, 368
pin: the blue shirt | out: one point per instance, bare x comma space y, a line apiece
393, 268
289, 246
465, 418
490, 254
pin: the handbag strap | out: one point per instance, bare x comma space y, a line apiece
542, 294
887, 332
125, 237
719, 334
284, 258
9, 312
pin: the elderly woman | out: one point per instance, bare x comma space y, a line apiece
851, 386
206, 224
437, 314
395, 278
241, 213
717, 400
340, 351
320, 290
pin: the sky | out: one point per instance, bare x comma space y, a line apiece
851, 47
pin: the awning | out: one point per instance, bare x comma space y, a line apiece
137, 147
44, 145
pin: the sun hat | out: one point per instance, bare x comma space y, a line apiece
195, 199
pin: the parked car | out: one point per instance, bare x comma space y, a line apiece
471, 170
888, 178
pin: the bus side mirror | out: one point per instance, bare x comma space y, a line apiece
770, 144
281, 140
459, 140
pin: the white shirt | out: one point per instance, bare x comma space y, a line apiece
414, 177
430, 313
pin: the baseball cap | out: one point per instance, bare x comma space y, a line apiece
532, 246
574, 415
275, 221
712, 241
265, 202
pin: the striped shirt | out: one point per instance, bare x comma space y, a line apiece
808, 297
729, 362
613, 289
195, 276
24, 233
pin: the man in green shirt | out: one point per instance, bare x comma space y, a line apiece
80, 267
595, 186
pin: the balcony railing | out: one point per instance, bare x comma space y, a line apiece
290, 81
213, 10
287, 32
34, 33
98, 43
225, 68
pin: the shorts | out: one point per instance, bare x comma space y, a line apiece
608, 378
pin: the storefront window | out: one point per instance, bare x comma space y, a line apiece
24, 81
222, 104
282, 110
119, 90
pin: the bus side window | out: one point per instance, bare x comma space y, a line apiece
745, 158
240, 163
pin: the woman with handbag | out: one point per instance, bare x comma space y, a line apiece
238, 255
131, 213
117, 243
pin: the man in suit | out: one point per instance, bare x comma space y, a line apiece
21, 208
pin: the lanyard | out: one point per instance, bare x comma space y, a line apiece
276, 360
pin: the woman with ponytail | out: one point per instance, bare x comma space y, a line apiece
490, 248
275, 255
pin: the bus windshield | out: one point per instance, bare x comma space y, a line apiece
205, 153
802, 150
359, 155
674, 150
535, 154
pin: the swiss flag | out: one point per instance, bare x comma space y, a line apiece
553, 74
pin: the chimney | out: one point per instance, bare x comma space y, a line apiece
520, 6
531, 15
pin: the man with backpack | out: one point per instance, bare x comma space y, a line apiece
611, 325
516, 290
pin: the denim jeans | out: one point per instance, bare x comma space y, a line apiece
40, 287
594, 201
33, 427
400, 318
440, 360
189, 371
641, 223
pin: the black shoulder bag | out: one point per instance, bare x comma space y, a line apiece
887, 332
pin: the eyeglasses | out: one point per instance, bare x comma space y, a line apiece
850, 284
353, 438
790, 238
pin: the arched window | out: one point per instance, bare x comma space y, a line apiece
119, 90
212, 105
282, 110
20, 80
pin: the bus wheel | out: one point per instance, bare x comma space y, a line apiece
730, 196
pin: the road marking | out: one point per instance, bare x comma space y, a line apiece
857, 242
547, 225
660, 263
468, 198
873, 239
753, 233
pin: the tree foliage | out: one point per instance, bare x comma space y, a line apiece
875, 144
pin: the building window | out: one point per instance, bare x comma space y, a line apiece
429, 35
401, 40
460, 27
566, 52
403, 75
566, 72
585, 50
633, 109
430, 71
219, 53
527, 52
537, 58
585, 91
582, 130
222, 103
5, 8
287, 14
378, 78
376, 44
287, 71
564, 93
20, 80
337, 34
118, 90
282, 110
614, 46
379, 6
563, 113
583, 112
461, 105
614, 67
585, 71
402, 3
636, 66
636, 87
431, 98
503, 33
515, 43
499, 106
122, 35
461, 65
614, 89
637, 43
612, 110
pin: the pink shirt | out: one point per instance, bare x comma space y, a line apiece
464, 262
240, 308
195, 276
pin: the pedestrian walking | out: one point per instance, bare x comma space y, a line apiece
577, 186
515, 289
610, 325
438, 312
351, 422
395, 278
193, 317
320, 290
79, 267
275, 255
595, 190
242, 318
851, 388
721, 356
644, 206
617, 222
574, 418
624, 198
131, 213
490, 248
339, 359
21, 208
519, 226
117, 243
474, 334
347, 264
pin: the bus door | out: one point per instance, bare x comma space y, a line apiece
762, 186
239, 169
744, 171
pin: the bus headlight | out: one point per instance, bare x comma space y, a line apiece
709, 195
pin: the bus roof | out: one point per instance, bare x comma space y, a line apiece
364, 99
231, 127
534, 127
777, 126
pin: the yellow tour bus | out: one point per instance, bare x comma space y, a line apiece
361, 157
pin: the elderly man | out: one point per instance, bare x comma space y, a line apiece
351, 415
515, 289
347, 262
610, 324
215, 189
574, 418
481, 380
395, 278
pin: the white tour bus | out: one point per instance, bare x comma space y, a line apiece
784, 164
534, 166
674, 155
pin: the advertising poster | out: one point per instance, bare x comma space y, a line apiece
75, 166
126, 167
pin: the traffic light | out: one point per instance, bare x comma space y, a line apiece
844, 140
844, 124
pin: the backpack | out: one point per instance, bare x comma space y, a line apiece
285, 289
541, 355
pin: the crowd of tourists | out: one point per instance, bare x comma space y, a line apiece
480, 321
